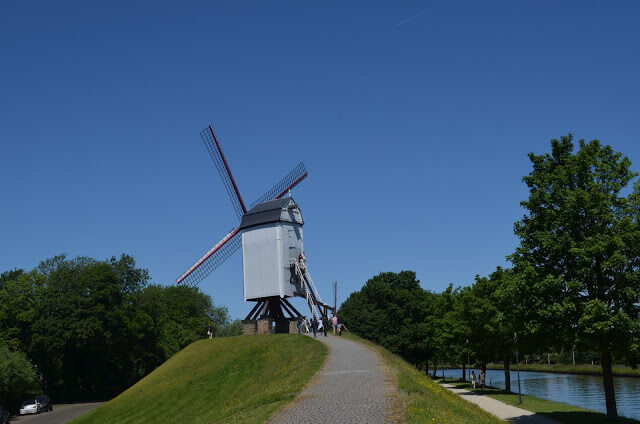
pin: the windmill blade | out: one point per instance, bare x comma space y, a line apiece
213, 147
292, 179
212, 259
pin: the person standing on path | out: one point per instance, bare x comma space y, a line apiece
314, 326
325, 322
299, 324
339, 325
210, 331
306, 325
334, 323
472, 377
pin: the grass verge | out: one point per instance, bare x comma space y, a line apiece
561, 412
242, 379
425, 400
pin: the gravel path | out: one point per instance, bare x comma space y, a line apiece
501, 409
353, 386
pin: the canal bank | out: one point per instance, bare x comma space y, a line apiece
585, 391
618, 370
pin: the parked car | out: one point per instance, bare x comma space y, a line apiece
30, 406
4, 415
45, 402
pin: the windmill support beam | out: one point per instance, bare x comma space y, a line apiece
271, 315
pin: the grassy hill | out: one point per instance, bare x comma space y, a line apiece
241, 379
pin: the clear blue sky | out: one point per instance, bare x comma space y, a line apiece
414, 120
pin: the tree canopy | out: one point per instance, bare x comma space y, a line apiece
92, 328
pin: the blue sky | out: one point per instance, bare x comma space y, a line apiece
414, 120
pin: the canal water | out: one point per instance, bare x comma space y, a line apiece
585, 391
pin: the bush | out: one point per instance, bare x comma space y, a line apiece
18, 378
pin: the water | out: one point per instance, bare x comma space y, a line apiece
585, 391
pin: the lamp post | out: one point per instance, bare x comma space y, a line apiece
515, 340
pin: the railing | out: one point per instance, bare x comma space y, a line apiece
310, 291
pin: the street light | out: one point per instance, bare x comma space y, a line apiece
515, 340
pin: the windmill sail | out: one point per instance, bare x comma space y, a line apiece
291, 180
212, 259
213, 147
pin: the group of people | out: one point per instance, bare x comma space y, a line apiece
320, 325
479, 380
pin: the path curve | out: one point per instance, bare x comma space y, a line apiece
500, 409
353, 386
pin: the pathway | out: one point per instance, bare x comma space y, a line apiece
61, 413
501, 409
353, 386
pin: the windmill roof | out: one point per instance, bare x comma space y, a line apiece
272, 211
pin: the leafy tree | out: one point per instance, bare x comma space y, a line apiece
18, 378
229, 329
393, 311
578, 260
95, 327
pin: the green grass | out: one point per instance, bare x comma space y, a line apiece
242, 379
618, 370
424, 400
560, 412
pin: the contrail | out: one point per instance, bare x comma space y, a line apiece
410, 18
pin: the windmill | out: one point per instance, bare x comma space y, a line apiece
270, 234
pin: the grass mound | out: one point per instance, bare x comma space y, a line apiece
426, 401
241, 379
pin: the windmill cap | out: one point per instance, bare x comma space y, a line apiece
278, 210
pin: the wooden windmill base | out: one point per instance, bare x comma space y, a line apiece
269, 311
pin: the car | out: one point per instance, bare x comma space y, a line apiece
30, 406
4, 415
45, 402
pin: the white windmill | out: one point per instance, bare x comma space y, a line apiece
270, 234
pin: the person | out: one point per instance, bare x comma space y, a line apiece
306, 325
302, 262
334, 323
210, 331
340, 325
320, 325
325, 321
482, 379
472, 376
314, 326
299, 324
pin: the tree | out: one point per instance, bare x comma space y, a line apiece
578, 260
18, 378
393, 311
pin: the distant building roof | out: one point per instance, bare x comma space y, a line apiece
285, 210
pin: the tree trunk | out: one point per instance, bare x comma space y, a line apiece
609, 391
507, 375
484, 368
464, 372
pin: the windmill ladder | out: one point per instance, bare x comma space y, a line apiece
310, 290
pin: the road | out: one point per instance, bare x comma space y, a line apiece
61, 414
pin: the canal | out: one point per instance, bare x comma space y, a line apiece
585, 391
